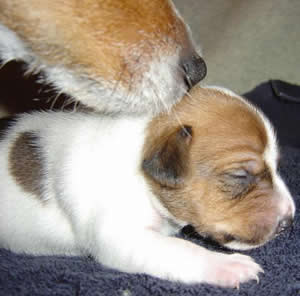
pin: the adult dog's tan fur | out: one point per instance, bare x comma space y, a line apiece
133, 52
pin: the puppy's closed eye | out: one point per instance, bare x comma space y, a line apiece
236, 182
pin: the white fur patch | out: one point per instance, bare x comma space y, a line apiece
11, 47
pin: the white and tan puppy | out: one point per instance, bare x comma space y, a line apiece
129, 56
119, 188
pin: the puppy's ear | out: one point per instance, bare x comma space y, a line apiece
167, 162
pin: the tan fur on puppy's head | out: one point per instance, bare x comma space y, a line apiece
214, 171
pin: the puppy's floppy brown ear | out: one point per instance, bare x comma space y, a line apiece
167, 162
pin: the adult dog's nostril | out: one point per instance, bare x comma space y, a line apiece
195, 70
284, 224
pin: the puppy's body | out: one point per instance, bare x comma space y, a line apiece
88, 155
118, 188
111, 55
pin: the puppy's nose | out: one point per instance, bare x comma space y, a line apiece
194, 69
284, 224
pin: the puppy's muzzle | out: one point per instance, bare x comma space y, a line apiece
194, 69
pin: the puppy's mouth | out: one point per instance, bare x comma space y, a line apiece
230, 241
238, 243
225, 240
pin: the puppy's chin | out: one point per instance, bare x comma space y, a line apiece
240, 244
232, 241
237, 245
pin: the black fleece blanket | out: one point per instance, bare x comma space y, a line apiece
280, 258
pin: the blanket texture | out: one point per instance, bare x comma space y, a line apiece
280, 258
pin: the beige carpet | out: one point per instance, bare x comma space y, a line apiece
245, 42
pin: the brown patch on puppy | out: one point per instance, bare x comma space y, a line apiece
226, 190
26, 164
167, 160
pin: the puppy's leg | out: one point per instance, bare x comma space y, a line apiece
173, 258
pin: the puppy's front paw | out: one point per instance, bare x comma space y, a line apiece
231, 270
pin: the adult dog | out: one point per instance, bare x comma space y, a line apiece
128, 56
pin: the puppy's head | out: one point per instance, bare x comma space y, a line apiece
113, 55
217, 170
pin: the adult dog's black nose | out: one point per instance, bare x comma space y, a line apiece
194, 69
284, 224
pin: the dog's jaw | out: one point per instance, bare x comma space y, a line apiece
157, 90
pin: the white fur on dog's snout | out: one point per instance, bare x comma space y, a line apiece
160, 86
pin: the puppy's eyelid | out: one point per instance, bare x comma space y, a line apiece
239, 174
237, 182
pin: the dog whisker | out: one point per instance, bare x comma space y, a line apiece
67, 102
176, 67
156, 103
75, 107
162, 102
55, 100
116, 86
169, 110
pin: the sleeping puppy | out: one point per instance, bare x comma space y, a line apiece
119, 188
128, 56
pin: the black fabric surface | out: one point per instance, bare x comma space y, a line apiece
280, 101
280, 258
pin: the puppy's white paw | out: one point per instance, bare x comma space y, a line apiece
231, 270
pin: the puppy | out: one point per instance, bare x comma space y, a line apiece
119, 188
113, 56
